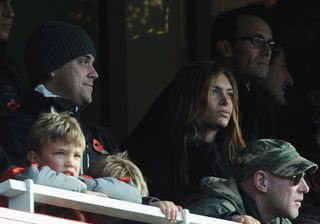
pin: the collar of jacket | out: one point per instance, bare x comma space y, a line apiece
250, 205
36, 103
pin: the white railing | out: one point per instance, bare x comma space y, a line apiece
22, 195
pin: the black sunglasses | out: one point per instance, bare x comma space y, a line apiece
259, 42
295, 180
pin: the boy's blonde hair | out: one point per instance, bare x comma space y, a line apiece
52, 127
120, 166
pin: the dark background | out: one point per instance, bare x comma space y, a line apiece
141, 43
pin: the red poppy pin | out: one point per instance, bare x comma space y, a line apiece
12, 105
98, 147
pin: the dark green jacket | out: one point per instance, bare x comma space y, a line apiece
220, 198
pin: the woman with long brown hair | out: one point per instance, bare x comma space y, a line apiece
191, 131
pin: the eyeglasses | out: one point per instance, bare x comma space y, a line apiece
259, 42
295, 180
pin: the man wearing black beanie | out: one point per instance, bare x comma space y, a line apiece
59, 58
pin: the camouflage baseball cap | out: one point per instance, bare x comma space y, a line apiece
275, 156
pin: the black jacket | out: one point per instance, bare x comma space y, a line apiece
15, 126
12, 86
154, 155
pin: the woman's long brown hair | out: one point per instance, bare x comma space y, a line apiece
187, 102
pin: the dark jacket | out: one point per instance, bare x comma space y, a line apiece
15, 126
154, 155
221, 198
13, 84
260, 115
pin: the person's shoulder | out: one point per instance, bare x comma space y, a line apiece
220, 187
12, 172
216, 207
98, 131
17, 121
100, 139
32, 102
220, 198
28, 108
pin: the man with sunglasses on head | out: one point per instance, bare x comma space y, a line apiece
243, 40
268, 186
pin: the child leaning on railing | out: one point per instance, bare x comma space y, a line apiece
56, 144
120, 167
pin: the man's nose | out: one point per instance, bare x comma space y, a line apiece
303, 186
266, 50
93, 73
70, 161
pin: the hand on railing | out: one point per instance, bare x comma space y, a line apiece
168, 208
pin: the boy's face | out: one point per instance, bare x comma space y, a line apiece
61, 157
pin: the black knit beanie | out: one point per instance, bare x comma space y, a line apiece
52, 45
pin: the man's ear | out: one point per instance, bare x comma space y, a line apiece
225, 48
260, 181
33, 157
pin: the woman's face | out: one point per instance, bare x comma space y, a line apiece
219, 104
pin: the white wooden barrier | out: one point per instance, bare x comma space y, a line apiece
23, 194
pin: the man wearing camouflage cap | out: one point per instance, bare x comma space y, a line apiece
268, 187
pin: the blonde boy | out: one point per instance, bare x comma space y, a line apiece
56, 140
119, 166
56, 145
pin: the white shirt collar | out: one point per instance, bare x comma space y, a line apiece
44, 91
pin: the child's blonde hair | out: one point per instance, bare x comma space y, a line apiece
120, 166
51, 127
